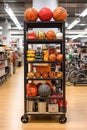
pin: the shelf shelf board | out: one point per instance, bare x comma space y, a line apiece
85, 47
38, 97
44, 62
44, 78
3, 75
44, 41
45, 113
46, 24
3, 59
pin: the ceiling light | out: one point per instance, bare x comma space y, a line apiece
82, 24
84, 13
12, 16
0, 27
73, 23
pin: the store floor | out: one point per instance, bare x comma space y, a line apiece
11, 108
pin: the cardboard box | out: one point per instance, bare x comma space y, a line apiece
52, 107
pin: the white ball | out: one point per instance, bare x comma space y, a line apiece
59, 35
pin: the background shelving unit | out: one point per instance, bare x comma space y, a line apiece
4, 67
47, 24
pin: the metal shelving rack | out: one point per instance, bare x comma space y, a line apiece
46, 24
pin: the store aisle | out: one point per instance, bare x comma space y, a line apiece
11, 108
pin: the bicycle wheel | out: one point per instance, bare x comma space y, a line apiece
73, 75
80, 78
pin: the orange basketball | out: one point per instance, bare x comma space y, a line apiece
50, 34
60, 57
59, 14
52, 57
31, 89
31, 14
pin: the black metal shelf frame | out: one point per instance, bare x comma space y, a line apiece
47, 24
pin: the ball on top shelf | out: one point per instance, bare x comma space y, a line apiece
31, 14
45, 14
59, 14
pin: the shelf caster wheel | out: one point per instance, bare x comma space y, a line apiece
62, 119
24, 119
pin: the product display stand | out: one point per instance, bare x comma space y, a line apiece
33, 104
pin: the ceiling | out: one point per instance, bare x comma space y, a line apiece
73, 7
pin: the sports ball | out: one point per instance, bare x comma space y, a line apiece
59, 57
52, 74
44, 90
31, 89
59, 35
31, 14
30, 75
37, 74
45, 14
31, 35
45, 74
50, 34
52, 57
59, 14
59, 74
40, 35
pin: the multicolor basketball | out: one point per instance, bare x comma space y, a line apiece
40, 35
31, 14
59, 14
50, 34
45, 14
44, 90
31, 89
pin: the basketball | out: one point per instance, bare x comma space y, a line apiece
40, 35
60, 57
44, 90
31, 14
45, 14
59, 74
52, 74
52, 57
59, 14
30, 75
50, 34
37, 74
45, 74
31, 89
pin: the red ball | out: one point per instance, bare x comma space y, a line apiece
45, 14
31, 89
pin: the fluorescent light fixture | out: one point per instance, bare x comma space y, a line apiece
73, 23
84, 13
0, 27
12, 16
75, 37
